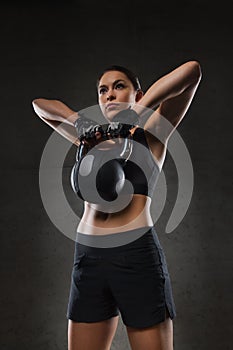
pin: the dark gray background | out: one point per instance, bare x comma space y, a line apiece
55, 50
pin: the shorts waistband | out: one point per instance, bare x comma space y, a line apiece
116, 243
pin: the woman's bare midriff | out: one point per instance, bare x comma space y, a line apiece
134, 215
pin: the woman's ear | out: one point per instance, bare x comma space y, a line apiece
139, 95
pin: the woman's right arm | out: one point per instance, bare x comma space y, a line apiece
59, 116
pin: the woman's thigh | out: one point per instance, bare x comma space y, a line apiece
158, 337
91, 336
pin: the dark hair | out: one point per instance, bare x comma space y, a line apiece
131, 76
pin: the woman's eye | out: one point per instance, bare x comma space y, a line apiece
102, 90
119, 86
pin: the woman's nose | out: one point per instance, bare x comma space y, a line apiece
110, 95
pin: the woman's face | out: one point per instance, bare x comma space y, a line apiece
115, 93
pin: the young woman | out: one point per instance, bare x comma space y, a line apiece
131, 277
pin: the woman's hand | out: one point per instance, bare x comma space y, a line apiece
91, 134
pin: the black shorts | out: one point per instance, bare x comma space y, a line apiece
132, 279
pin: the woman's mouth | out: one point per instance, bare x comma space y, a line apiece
112, 106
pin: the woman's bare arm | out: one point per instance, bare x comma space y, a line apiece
57, 115
172, 94
54, 110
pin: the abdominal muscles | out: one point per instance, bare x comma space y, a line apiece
97, 220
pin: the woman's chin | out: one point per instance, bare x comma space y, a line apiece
109, 115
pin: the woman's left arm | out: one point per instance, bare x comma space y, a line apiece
173, 94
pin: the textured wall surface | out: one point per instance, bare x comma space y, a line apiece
55, 50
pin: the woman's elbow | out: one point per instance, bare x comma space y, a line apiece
40, 104
37, 106
36, 101
195, 70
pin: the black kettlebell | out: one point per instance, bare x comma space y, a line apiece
99, 174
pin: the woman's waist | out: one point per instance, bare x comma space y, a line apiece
97, 220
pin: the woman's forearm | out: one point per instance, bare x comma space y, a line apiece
58, 116
170, 85
64, 130
54, 110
